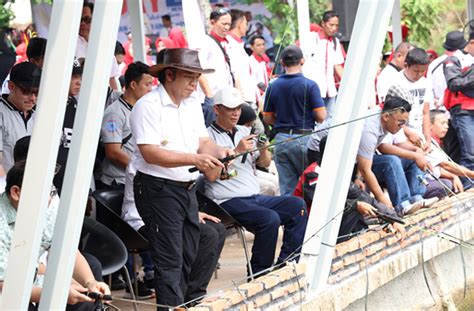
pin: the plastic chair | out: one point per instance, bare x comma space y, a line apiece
109, 209
212, 208
107, 247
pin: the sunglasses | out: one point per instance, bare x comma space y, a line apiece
28, 91
86, 20
219, 12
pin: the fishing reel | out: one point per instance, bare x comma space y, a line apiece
227, 173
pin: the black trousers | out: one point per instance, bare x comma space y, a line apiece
170, 214
210, 247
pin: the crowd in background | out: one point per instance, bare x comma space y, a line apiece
417, 146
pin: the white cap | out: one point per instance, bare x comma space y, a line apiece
229, 97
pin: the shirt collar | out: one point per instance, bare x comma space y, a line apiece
219, 129
234, 36
322, 35
165, 98
259, 59
8, 209
125, 103
394, 66
218, 38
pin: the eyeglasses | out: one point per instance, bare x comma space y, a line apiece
28, 91
86, 20
219, 12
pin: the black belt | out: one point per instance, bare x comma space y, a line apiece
188, 185
293, 131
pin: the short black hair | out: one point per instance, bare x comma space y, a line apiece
15, 176
291, 56
393, 103
236, 15
89, 5
20, 151
134, 72
255, 37
36, 48
434, 113
218, 12
329, 14
166, 17
417, 56
119, 49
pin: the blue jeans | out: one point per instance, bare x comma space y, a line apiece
208, 111
401, 177
263, 215
290, 160
330, 102
463, 124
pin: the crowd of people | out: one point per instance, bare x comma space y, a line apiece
169, 125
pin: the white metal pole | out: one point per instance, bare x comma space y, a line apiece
42, 154
339, 157
138, 29
303, 26
470, 9
90, 108
193, 22
396, 24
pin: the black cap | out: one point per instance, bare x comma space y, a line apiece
26, 74
454, 41
291, 54
76, 67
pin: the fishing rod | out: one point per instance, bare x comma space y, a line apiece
290, 139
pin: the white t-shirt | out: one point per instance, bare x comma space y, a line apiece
437, 81
259, 73
211, 56
156, 120
81, 52
240, 63
387, 77
320, 66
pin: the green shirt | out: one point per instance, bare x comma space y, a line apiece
7, 225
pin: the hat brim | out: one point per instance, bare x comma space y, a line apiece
448, 47
154, 70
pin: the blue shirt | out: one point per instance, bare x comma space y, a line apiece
293, 98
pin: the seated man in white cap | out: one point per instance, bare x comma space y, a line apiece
238, 194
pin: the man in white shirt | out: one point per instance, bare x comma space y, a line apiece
412, 78
259, 65
83, 42
213, 53
171, 138
326, 60
435, 74
387, 75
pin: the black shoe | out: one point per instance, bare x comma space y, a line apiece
143, 291
117, 283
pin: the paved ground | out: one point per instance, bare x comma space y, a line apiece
232, 269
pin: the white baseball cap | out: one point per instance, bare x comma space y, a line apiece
229, 97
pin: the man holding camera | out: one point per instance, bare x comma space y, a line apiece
237, 189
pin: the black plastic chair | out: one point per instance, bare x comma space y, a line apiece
108, 211
106, 246
210, 207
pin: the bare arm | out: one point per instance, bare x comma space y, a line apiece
205, 86
319, 114
456, 169
265, 158
269, 117
339, 70
116, 154
365, 168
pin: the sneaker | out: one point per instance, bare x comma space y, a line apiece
413, 208
143, 291
429, 202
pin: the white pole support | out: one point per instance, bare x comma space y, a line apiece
78, 174
339, 157
194, 23
470, 10
138, 29
303, 27
42, 154
396, 24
